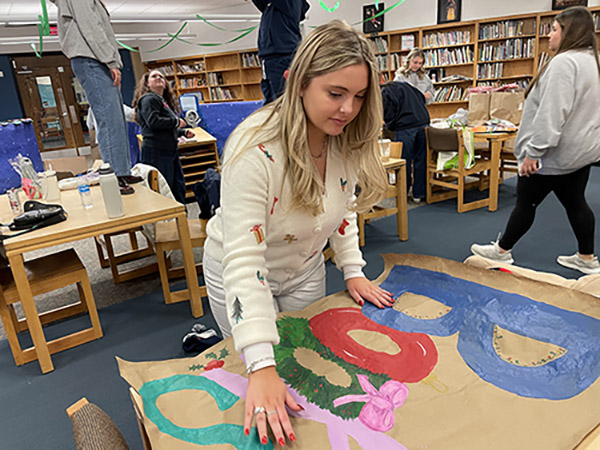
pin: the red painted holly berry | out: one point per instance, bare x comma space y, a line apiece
214, 364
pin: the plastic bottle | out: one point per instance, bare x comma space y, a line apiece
111, 192
84, 191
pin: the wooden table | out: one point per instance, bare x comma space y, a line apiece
145, 206
397, 167
495, 142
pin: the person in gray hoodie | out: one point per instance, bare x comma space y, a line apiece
87, 39
558, 140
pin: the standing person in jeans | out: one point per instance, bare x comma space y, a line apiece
278, 36
412, 72
405, 113
558, 140
87, 39
157, 112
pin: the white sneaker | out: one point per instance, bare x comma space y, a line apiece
492, 251
578, 263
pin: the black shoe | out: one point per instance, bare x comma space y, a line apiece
124, 187
131, 179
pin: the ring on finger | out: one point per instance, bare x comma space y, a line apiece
259, 409
270, 413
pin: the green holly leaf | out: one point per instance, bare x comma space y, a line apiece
224, 353
212, 355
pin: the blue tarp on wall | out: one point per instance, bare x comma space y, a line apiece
220, 119
15, 139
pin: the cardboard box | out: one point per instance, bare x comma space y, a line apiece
74, 164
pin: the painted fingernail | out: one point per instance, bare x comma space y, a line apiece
361, 302
263, 440
281, 442
292, 437
301, 407
246, 431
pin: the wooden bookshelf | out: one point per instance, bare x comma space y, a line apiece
492, 51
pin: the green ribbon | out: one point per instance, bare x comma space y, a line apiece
173, 37
237, 38
43, 29
223, 29
327, 8
380, 13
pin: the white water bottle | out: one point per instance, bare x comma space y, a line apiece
111, 192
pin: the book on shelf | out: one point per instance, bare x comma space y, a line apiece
382, 62
192, 82
450, 94
215, 78
165, 70
490, 70
217, 93
509, 49
523, 83
407, 42
545, 28
448, 38
506, 28
380, 44
443, 56
250, 60
198, 66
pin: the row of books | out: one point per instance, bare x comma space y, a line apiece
494, 70
397, 60
454, 79
407, 42
185, 83
450, 94
250, 60
448, 38
165, 70
215, 78
509, 49
217, 93
381, 44
544, 58
382, 62
523, 83
198, 66
459, 55
507, 28
545, 28
596, 21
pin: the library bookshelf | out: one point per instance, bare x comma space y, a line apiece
218, 77
459, 55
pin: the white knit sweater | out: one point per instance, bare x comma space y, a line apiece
257, 238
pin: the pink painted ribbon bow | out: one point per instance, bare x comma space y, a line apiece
378, 412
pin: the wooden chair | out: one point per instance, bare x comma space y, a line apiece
113, 260
167, 239
47, 274
397, 190
444, 184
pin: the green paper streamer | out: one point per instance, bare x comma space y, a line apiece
173, 37
381, 13
127, 47
43, 29
237, 38
223, 29
327, 8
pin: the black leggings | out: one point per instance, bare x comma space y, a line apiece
570, 191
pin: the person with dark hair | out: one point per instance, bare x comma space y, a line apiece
157, 113
278, 36
87, 39
558, 140
405, 113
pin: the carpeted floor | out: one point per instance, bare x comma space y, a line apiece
32, 405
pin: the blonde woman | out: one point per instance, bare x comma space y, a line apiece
288, 182
412, 72
558, 141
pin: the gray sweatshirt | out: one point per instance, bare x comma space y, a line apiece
423, 84
561, 118
84, 30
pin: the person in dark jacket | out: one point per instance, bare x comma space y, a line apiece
156, 110
405, 113
278, 37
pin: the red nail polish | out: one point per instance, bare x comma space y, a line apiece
361, 302
281, 442
301, 407
292, 437
246, 431
263, 440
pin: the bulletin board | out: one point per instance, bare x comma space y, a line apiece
466, 359
15, 139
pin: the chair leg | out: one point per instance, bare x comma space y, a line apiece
111, 258
103, 260
163, 271
11, 332
87, 297
461, 193
361, 229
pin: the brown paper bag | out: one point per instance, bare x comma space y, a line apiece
507, 106
479, 109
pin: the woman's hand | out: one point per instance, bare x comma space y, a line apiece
427, 95
362, 289
267, 390
182, 123
189, 134
529, 167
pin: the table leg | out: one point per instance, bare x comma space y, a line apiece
494, 174
190, 268
31, 314
402, 214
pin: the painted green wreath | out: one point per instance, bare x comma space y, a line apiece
295, 333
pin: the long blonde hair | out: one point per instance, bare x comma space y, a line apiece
414, 53
326, 49
577, 33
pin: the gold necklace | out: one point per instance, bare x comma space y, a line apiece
323, 151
